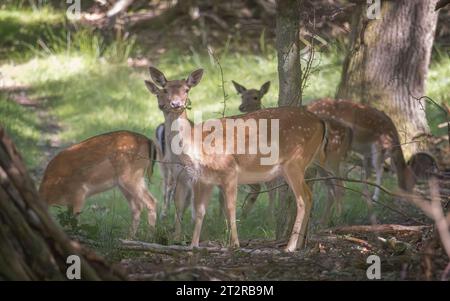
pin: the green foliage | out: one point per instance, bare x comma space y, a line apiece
23, 127
93, 91
22, 29
438, 84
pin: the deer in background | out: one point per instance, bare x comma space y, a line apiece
176, 184
374, 136
336, 150
301, 139
116, 159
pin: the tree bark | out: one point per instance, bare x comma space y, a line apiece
32, 246
288, 52
387, 63
289, 75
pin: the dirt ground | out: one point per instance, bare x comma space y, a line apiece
328, 256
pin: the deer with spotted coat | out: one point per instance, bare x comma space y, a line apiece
375, 137
301, 138
336, 150
116, 159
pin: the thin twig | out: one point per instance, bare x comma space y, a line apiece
224, 94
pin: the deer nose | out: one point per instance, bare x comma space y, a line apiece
176, 104
242, 108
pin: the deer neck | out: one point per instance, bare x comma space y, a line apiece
184, 136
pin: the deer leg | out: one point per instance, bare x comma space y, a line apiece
251, 198
78, 200
149, 202
202, 194
220, 212
335, 192
230, 189
272, 194
182, 200
294, 175
76, 204
167, 191
377, 162
131, 195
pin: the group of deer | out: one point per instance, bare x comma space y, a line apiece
322, 133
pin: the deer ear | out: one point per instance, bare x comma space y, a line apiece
158, 77
194, 78
240, 89
264, 89
152, 87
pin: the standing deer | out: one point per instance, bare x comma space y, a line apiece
336, 150
374, 136
176, 182
301, 138
116, 159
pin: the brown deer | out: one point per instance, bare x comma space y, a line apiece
336, 150
301, 138
374, 136
176, 183
116, 159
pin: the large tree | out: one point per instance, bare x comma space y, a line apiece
289, 74
32, 246
387, 62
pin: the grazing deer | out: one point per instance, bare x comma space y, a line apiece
302, 136
116, 159
374, 136
336, 150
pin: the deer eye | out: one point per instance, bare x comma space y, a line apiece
255, 98
164, 91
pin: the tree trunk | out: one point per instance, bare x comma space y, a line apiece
387, 63
32, 246
289, 74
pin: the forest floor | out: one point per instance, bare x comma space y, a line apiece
329, 256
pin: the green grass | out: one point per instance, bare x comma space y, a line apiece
24, 129
94, 91
438, 84
21, 29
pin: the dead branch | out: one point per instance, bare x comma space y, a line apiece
334, 238
435, 212
175, 250
442, 4
119, 7
380, 228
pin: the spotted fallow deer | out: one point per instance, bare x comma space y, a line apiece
116, 159
374, 136
336, 150
301, 137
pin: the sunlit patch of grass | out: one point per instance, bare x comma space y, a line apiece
21, 29
438, 84
23, 127
32, 17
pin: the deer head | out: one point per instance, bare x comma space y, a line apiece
251, 98
172, 95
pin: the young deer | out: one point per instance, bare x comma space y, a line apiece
374, 136
116, 159
301, 138
176, 184
336, 150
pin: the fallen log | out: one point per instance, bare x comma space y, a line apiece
174, 250
383, 228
